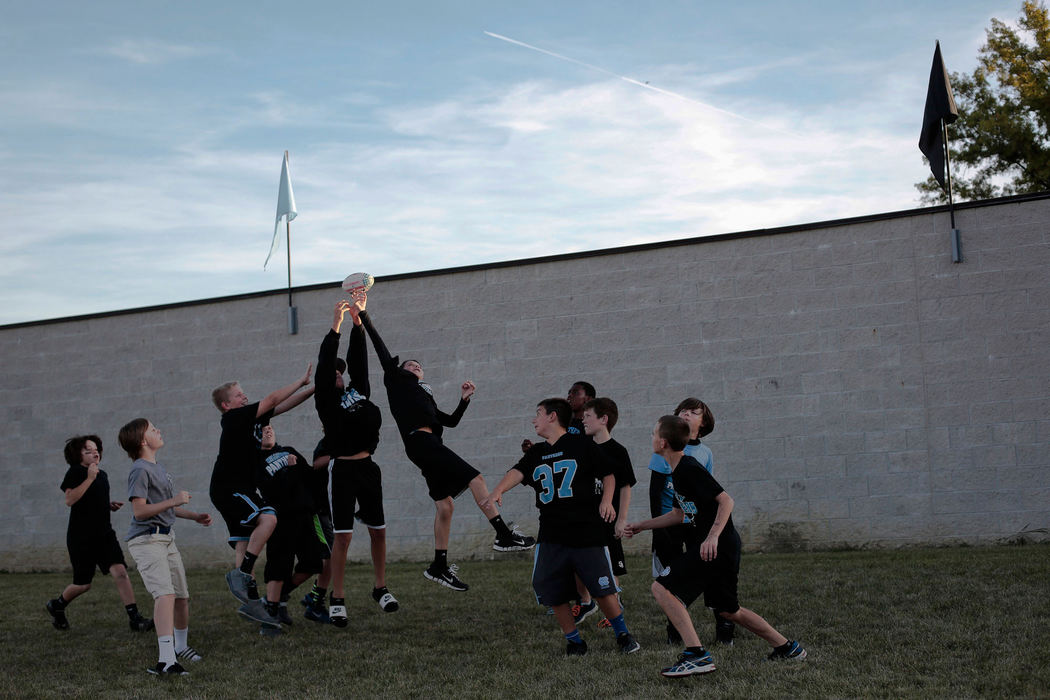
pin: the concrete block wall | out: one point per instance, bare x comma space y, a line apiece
867, 391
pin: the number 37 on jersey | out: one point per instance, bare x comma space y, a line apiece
554, 480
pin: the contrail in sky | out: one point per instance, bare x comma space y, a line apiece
639, 83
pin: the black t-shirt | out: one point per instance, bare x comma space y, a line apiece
564, 475
285, 486
575, 427
695, 492
616, 455
238, 450
351, 421
88, 517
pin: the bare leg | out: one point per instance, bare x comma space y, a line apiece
325, 576
164, 615
753, 622
677, 613
585, 595
73, 590
263, 529
123, 583
181, 613
443, 521
609, 605
378, 536
481, 493
239, 548
563, 615
338, 562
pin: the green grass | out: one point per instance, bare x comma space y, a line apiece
961, 622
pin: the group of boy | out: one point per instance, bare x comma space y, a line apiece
303, 510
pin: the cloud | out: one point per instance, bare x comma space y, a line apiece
154, 51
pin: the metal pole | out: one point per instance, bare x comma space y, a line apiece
956, 239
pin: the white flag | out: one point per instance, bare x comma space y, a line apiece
285, 207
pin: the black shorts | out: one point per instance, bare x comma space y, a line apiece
323, 525
355, 489
241, 513
556, 566
619, 565
689, 576
296, 541
103, 551
446, 473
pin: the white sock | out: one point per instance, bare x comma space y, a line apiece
166, 647
180, 639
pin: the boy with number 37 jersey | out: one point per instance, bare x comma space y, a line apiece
573, 533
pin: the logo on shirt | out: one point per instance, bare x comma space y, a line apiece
276, 462
426, 387
688, 508
351, 399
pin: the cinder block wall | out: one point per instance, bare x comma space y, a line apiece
867, 391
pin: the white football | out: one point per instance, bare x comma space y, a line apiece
358, 281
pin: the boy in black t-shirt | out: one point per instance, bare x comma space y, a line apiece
599, 418
421, 424
574, 521
90, 538
711, 562
283, 478
249, 520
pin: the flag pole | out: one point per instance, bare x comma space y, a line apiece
293, 315
955, 237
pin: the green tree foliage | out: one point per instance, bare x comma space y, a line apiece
1000, 145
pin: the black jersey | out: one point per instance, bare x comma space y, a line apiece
575, 427
411, 401
285, 486
89, 516
695, 492
616, 455
564, 475
238, 449
351, 421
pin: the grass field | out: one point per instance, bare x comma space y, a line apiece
960, 622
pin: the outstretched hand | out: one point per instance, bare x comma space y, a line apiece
309, 373
467, 389
341, 307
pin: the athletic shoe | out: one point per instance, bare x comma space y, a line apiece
189, 654
673, 638
240, 585
604, 623
581, 611
317, 613
792, 651
282, 615
689, 664
516, 541
167, 670
308, 600
724, 631
255, 611
387, 602
446, 578
140, 624
628, 644
574, 649
58, 614
337, 615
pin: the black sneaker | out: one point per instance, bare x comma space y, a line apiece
627, 643
581, 611
446, 578
574, 649
140, 624
58, 614
516, 541
792, 651
387, 602
170, 670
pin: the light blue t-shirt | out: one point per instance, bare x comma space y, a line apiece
700, 452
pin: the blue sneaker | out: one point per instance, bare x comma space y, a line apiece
792, 651
689, 664
316, 612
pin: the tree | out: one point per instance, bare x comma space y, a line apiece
1000, 144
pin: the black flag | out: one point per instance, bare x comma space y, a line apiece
940, 104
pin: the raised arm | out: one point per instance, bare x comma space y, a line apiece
451, 421
293, 401
274, 398
357, 353
385, 360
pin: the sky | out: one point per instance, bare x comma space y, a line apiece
141, 142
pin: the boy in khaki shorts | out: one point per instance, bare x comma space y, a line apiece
155, 504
